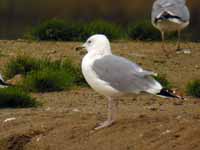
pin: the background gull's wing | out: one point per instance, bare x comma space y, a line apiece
177, 7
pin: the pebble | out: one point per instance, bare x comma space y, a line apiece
184, 51
9, 119
75, 110
166, 132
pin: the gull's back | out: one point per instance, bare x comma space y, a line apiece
176, 7
124, 75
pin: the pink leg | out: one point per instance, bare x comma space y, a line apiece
112, 110
178, 48
163, 44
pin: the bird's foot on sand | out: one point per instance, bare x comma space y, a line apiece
183, 50
105, 124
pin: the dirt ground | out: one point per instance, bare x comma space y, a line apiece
145, 122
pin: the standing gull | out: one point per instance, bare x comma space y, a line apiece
114, 76
170, 15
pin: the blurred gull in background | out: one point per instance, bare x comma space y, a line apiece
169, 16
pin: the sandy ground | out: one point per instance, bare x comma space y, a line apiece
145, 122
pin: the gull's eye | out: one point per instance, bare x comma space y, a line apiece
89, 42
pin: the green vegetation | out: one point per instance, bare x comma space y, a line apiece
40, 75
60, 30
16, 98
75, 71
21, 65
55, 30
111, 30
193, 88
163, 81
143, 30
48, 80
44, 75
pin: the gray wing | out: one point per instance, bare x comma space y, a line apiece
177, 7
123, 75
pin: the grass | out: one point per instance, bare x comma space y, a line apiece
44, 75
193, 88
75, 71
21, 65
16, 98
143, 30
48, 80
111, 30
40, 75
60, 30
54, 30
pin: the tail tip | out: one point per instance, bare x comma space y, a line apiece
170, 94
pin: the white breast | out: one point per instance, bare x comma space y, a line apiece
92, 79
172, 25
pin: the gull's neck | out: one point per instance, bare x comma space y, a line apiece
91, 56
99, 53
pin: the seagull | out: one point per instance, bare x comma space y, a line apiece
113, 76
3, 84
169, 16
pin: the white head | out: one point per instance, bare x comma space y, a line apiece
98, 44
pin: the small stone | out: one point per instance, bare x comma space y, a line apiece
75, 110
197, 66
184, 51
153, 108
52, 52
178, 117
187, 51
9, 119
48, 108
38, 139
166, 132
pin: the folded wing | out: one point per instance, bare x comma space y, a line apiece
175, 8
125, 75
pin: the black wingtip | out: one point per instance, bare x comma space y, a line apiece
4, 83
165, 16
169, 94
